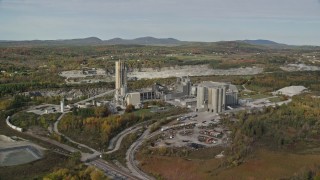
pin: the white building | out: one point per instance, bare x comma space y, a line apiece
62, 105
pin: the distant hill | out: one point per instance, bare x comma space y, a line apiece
90, 40
97, 41
84, 41
144, 41
151, 41
260, 42
268, 43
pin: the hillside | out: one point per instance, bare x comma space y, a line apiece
144, 41
96, 41
152, 41
84, 41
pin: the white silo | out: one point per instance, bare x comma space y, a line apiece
62, 105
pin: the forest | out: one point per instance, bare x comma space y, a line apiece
282, 127
96, 126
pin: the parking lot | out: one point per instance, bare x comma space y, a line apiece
194, 129
45, 109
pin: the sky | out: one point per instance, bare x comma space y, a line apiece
295, 22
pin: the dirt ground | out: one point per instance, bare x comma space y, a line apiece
264, 164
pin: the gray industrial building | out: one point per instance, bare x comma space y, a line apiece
215, 97
182, 88
122, 97
134, 99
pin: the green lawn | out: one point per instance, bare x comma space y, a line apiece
254, 95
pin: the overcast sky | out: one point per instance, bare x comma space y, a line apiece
285, 21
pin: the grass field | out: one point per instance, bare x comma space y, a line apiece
263, 164
254, 95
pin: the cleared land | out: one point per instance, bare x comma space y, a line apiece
263, 164
196, 70
76, 76
299, 67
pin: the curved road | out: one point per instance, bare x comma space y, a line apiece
94, 158
115, 142
131, 164
85, 156
130, 156
114, 145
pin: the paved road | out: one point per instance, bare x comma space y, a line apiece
94, 158
85, 156
130, 155
131, 164
115, 142
55, 125
110, 170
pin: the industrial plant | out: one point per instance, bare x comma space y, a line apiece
214, 97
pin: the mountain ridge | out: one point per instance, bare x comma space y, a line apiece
145, 41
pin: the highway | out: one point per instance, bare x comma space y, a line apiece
104, 166
110, 170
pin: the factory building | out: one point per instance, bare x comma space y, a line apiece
183, 86
215, 97
122, 97
181, 89
120, 82
134, 99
